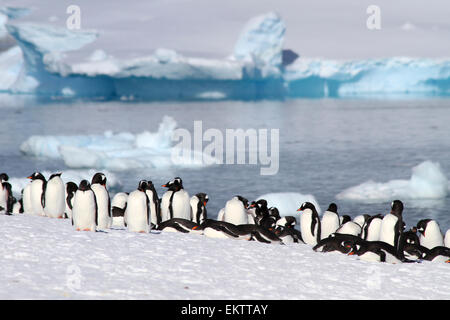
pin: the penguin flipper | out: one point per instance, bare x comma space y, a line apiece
44, 188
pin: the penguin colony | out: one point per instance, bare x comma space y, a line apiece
90, 208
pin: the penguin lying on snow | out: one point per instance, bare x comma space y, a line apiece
180, 225
337, 242
285, 230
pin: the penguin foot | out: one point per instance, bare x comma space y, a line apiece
78, 229
142, 231
87, 229
448, 261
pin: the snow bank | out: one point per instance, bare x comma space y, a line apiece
427, 182
46, 259
120, 151
76, 176
288, 202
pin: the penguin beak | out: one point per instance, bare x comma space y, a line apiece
299, 209
164, 185
448, 261
252, 205
204, 203
195, 228
30, 177
351, 253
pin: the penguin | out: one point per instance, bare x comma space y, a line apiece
84, 210
26, 200
137, 212
175, 201
285, 230
235, 211
309, 223
351, 228
17, 207
447, 239
10, 200
262, 214
98, 185
155, 207
342, 243
180, 225
37, 193
371, 229
223, 230
409, 245
430, 233
392, 224
198, 207
54, 197
436, 254
344, 219
3, 192
118, 206
220, 214
376, 251
71, 188
361, 219
251, 213
330, 221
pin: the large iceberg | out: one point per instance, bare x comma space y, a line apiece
427, 182
117, 151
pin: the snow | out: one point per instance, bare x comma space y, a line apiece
120, 151
18, 183
287, 203
427, 182
46, 259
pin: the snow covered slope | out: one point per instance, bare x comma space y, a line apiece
45, 258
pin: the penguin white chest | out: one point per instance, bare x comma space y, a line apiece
432, 237
136, 213
330, 223
165, 202
54, 198
180, 205
36, 197
235, 212
84, 210
387, 230
373, 231
447, 239
27, 206
102, 197
309, 232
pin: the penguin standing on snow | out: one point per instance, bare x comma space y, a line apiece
392, 225
309, 223
98, 185
175, 201
37, 193
155, 207
198, 207
330, 221
235, 211
137, 213
4, 194
371, 229
71, 188
53, 200
84, 211
430, 234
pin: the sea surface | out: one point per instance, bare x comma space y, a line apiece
325, 145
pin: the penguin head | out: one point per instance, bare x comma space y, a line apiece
57, 174
37, 176
422, 225
397, 208
142, 185
150, 185
175, 185
99, 178
203, 198
84, 185
3, 177
273, 211
243, 200
332, 207
307, 206
71, 187
345, 219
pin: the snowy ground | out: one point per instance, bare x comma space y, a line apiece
46, 259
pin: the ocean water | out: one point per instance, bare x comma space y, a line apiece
326, 145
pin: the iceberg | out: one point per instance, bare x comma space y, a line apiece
76, 176
116, 151
427, 182
287, 203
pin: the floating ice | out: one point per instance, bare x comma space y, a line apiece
287, 203
68, 175
427, 182
120, 151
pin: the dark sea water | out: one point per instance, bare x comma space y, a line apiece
326, 145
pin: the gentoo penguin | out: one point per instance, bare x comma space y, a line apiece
409, 245
198, 207
10, 200
309, 223
137, 213
26, 200
84, 210
436, 254
344, 219
430, 233
262, 213
175, 201
71, 188
38, 184
223, 230
235, 211
371, 229
17, 207
54, 200
337, 242
180, 225
377, 251
351, 228
447, 239
285, 230
330, 221
392, 225
155, 208
361, 219
119, 204
98, 185
3, 192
